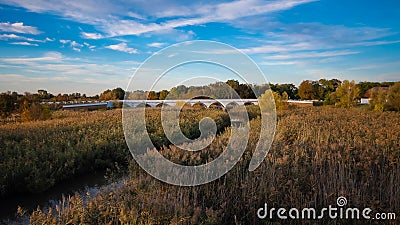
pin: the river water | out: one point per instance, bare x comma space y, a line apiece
91, 182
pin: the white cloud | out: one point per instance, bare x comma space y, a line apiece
23, 78
122, 47
91, 47
281, 46
327, 35
374, 43
129, 27
47, 57
91, 35
76, 44
18, 28
136, 15
11, 77
172, 55
244, 8
108, 16
281, 63
9, 36
364, 67
313, 54
156, 44
303, 58
37, 72
287, 39
52, 62
376, 64
64, 41
18, 37
24, 43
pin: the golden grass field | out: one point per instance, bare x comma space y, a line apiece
318, 154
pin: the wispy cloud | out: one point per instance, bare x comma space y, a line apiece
136, 16
24, 43
313, 54
11, 77
91, 47
364, 67
281, 46
376, 65
238, 9
273, 32
18, 37
156, 44
47, 57
328, 36
18, 28
312, 40
197, 15
15, 37
24, 78
74, 45
86, 35
109, 17
281, 63
67, 69
62, 41
375, 43
122, 47
9, 36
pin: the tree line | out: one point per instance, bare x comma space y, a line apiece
31, 106
383, 95
344, 94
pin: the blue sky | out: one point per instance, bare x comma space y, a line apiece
89, 46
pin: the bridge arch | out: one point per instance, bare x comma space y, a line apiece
248, 103
141, 105
183, 104
231, 105
199, 105
152, 104
216, 105
162, 104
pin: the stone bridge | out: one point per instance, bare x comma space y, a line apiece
219, 103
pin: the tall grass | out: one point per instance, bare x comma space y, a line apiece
37, 155
318, 154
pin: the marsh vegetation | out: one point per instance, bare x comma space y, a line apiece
318, 154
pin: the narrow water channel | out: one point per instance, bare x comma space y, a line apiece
91, 182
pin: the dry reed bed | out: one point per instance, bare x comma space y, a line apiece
37, 155
318, 154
